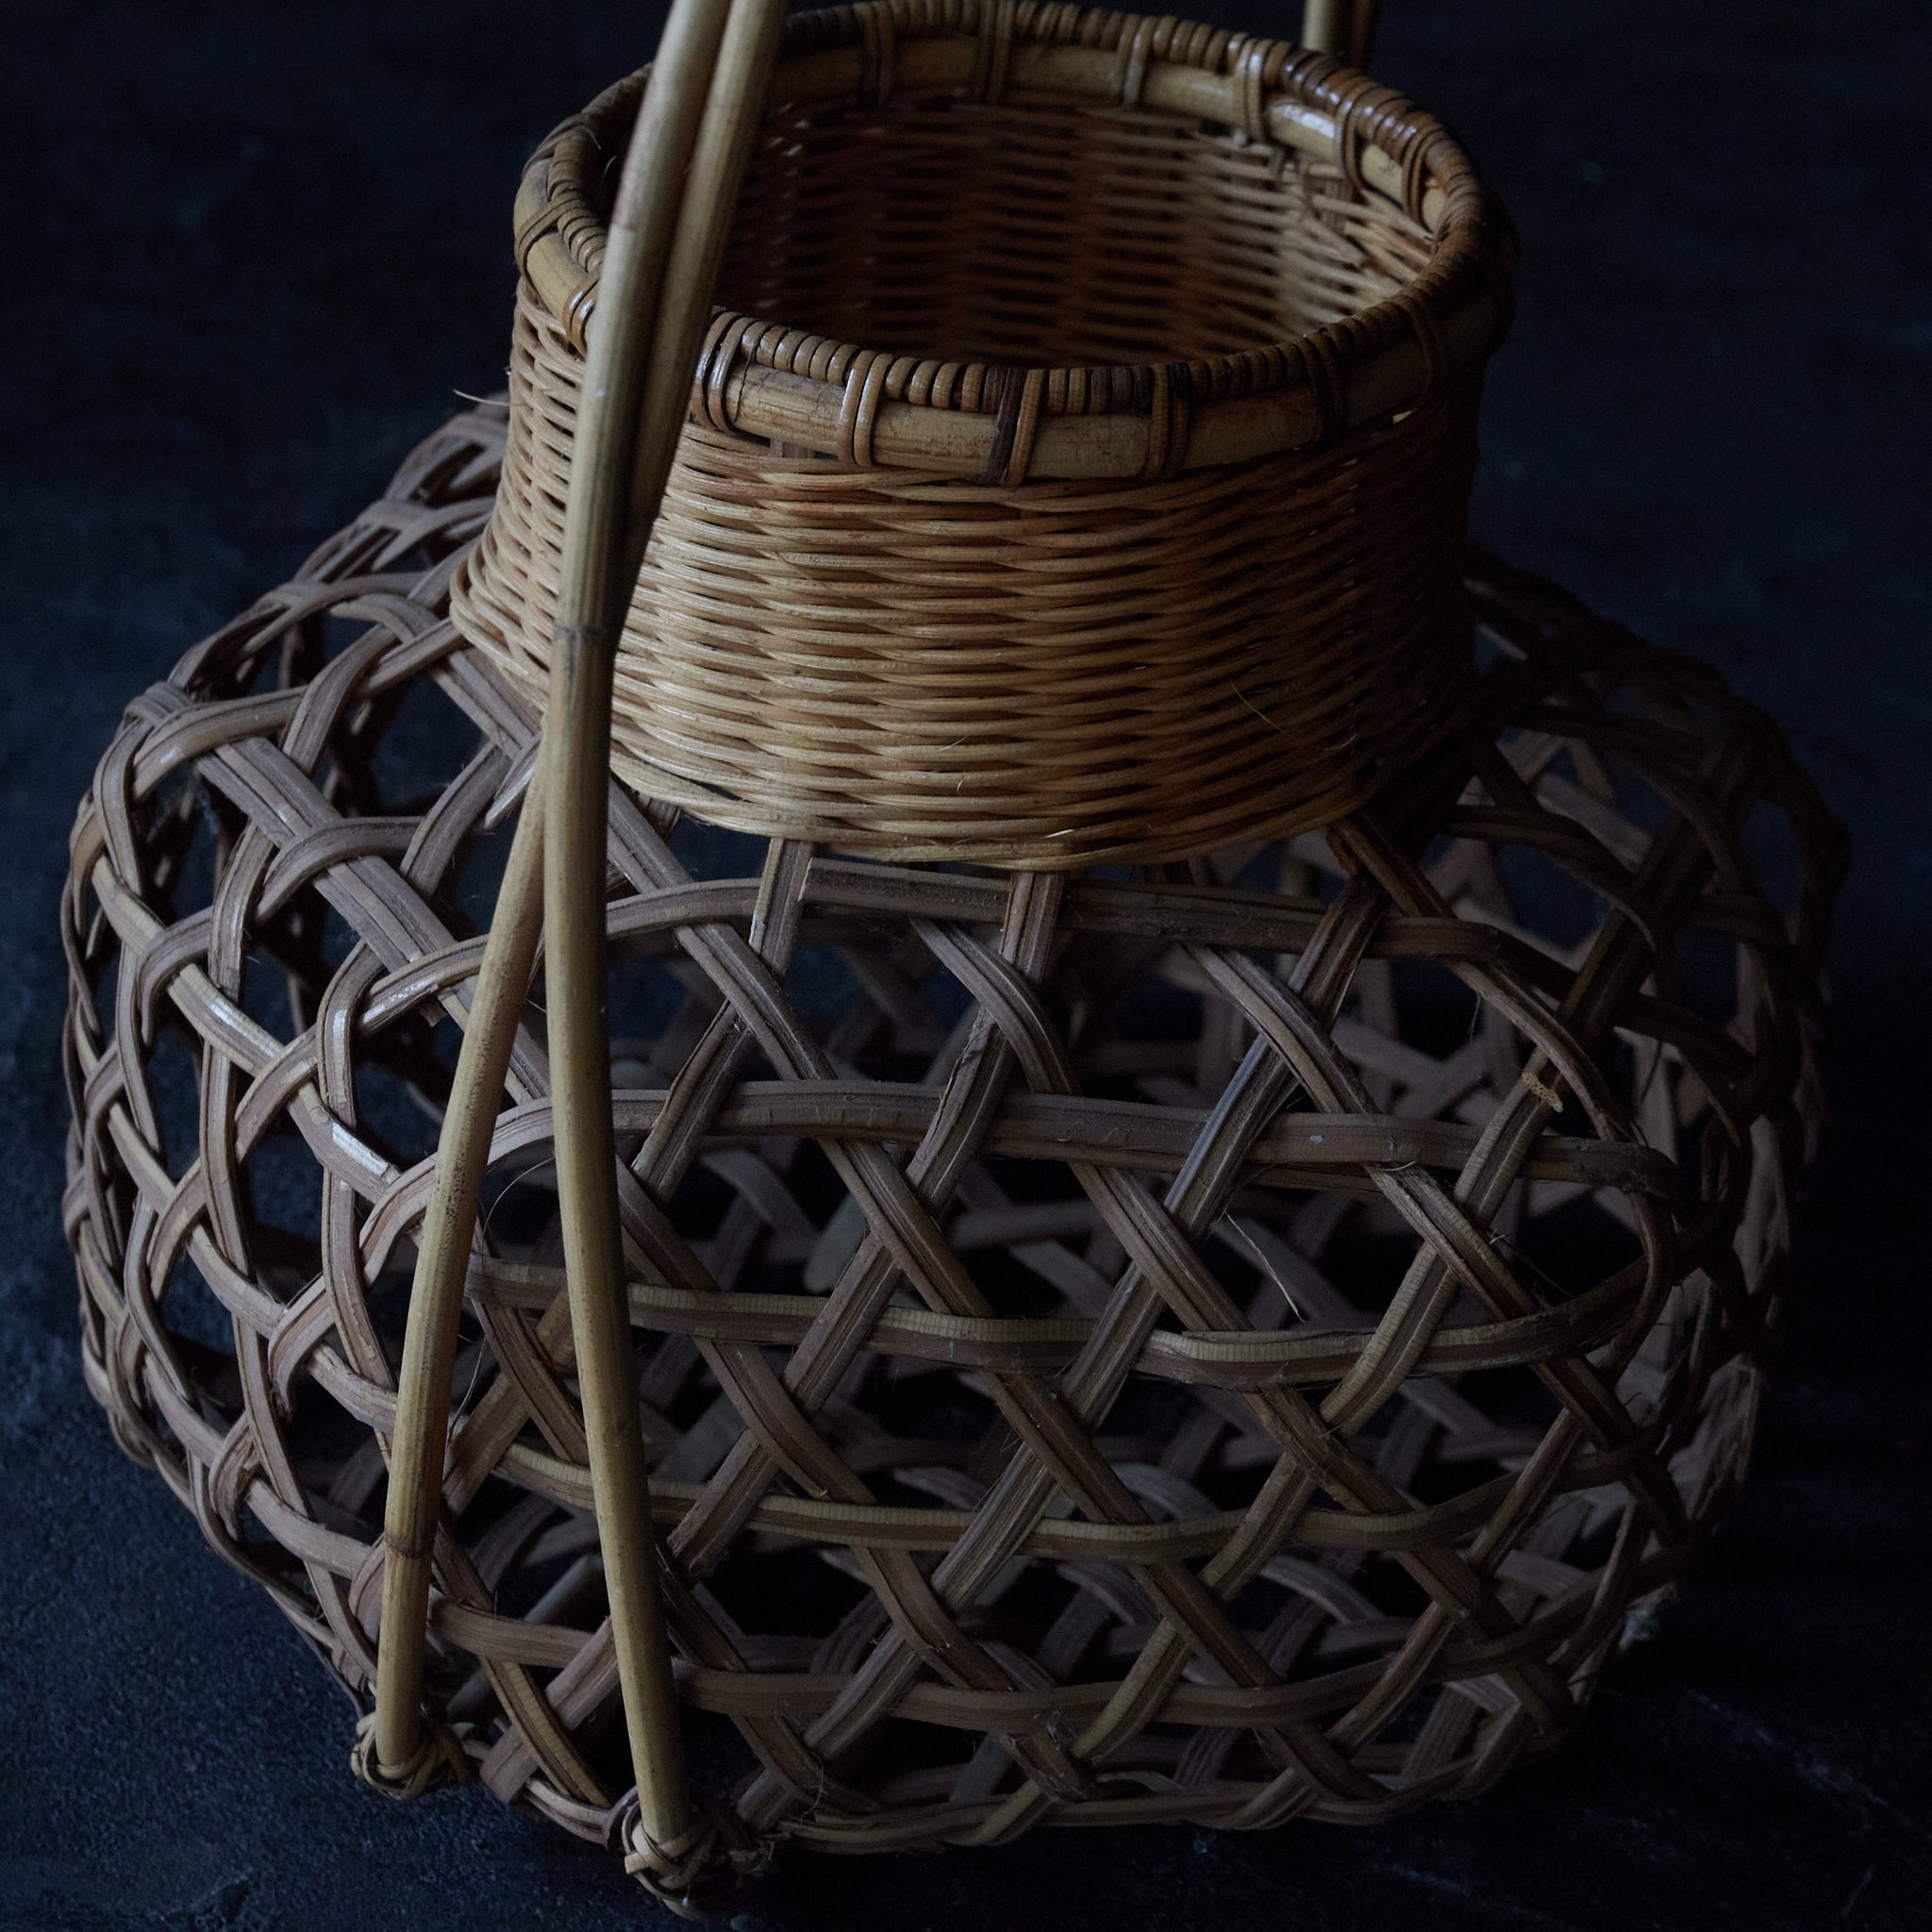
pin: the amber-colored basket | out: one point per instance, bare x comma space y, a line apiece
1078, 463
920, 1350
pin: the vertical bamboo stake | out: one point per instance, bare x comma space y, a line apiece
637, 383
436, 1303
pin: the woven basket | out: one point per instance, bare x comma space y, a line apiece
1395, 1314
1077, 466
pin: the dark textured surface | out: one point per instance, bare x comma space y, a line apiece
251, 251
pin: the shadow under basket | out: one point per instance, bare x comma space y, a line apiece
1077, 466
1224, 1343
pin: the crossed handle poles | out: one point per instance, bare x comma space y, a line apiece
680, 182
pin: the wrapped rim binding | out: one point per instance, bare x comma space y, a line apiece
1284, 101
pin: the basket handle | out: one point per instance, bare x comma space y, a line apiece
680, 183
1344, 27
637, 385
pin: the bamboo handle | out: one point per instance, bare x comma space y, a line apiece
396, 1756
672, 212
403, 1761
667, 234
639, 374
1344, 27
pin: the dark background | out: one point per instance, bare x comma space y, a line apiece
250, 250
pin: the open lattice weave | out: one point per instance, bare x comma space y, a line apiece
1216, 1343
1079, 464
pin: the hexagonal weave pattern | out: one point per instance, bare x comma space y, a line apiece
1226, 1342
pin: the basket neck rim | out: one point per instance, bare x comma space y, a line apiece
1448, 317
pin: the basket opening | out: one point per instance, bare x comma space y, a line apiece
1044, 231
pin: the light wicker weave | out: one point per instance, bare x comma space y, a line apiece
1079, 464
1224, 1343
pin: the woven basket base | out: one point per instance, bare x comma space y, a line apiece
1227, 1342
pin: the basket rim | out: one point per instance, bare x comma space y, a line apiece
1001, 421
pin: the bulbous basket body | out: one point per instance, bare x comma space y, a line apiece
1224, 1343
1079, 464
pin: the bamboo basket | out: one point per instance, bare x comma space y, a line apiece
880, 1641
1236, 1333
1078, 464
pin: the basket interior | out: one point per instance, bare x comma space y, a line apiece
1048, 230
